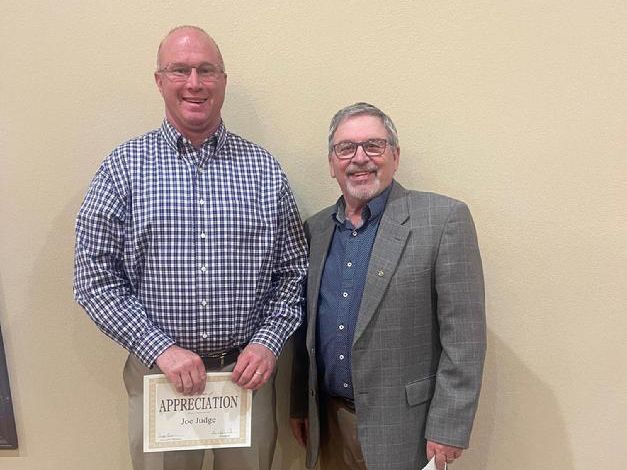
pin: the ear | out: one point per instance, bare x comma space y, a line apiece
397, 157
331, 169
159, 82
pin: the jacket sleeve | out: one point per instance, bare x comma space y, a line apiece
462, 329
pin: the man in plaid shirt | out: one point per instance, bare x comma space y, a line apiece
190, 253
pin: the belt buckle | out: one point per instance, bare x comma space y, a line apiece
222, 356
221, 359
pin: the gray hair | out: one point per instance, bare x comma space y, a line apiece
358, 109
195, 28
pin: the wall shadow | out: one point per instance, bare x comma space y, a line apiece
76, 359
500, 437
289, 455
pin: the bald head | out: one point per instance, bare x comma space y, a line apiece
193, 97
178, 33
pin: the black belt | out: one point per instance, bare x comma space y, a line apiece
221, 359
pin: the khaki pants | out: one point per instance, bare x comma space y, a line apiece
339, 445
257, 457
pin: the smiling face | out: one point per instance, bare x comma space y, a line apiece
192, 106
362, 177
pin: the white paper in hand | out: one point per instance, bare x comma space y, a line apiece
431, 465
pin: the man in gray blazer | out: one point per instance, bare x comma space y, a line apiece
387, 369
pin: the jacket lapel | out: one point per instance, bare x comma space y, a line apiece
388, 247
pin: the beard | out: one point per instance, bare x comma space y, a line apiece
363, 192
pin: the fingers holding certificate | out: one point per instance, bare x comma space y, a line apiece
184, 369
255, 365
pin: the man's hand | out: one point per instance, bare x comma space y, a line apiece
299, 430
254, 366
443, 453
184, 369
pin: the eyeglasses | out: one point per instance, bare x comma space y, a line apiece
181, 72
371, 147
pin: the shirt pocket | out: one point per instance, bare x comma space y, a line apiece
419, 391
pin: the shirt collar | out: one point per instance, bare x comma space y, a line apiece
373, 209
176, 140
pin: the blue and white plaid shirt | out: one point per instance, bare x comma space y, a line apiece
200, 248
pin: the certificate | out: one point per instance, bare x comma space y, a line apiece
219, 417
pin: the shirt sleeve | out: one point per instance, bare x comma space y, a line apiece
101, 286
284, 308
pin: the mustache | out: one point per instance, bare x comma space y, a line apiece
352, 169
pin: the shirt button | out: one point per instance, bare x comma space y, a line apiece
345, 385
203, 269
203, 303
203, 235
341, 327
205, 335
341, 356
349, 264
354, 234
344, 294
201, 202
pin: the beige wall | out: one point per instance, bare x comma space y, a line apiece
517, 108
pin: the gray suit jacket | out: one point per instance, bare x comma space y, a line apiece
420, 339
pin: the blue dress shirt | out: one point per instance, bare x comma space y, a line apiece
341, 290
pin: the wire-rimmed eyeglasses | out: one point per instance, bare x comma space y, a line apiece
206, 72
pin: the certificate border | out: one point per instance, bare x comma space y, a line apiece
150, 445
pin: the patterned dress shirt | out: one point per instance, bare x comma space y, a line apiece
202, 248
341, 290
